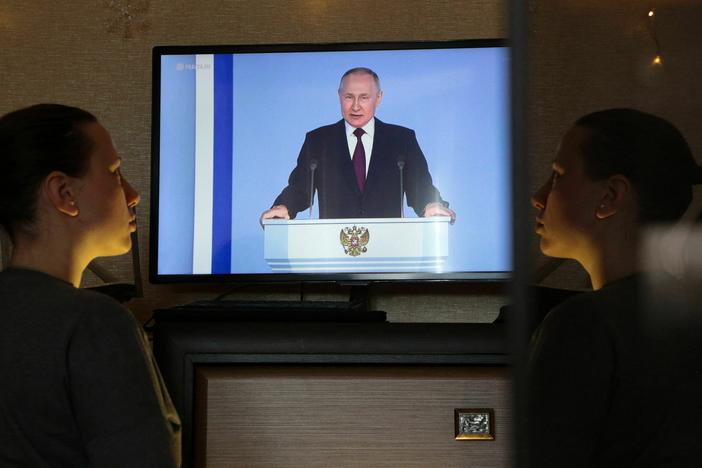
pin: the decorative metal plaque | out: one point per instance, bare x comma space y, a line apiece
475, 424
354, 240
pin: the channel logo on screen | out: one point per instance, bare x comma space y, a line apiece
192, 66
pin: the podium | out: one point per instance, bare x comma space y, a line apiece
356, 245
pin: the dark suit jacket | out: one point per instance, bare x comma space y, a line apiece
335, 182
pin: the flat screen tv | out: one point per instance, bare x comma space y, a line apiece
236, 129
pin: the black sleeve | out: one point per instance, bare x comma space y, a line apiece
296, 196
419, 187
571, 371
113, 396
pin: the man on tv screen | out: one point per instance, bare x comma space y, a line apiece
359, 165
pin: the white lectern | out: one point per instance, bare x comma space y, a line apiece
356, 245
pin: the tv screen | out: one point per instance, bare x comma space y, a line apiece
238, 130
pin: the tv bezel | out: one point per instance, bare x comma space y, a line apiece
273, 278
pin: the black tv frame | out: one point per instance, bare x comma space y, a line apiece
343, 278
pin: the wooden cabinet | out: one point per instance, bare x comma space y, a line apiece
347, 416
334, 394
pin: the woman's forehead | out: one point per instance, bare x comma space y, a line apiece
104, 149
570, 149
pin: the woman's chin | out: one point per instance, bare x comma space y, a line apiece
120, 248
549, 249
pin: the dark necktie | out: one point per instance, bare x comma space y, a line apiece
359, 160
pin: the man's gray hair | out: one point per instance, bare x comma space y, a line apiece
365, 70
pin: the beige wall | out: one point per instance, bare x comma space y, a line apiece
594, 54
65, 52
584, 55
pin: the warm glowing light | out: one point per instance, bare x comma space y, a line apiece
651, 26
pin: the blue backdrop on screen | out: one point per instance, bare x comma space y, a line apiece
456, 101
177, 164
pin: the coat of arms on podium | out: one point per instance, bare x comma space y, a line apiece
354, 240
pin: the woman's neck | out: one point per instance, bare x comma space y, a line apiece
53, 258
613, 261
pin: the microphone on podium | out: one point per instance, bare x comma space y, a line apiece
400, 167
313, 167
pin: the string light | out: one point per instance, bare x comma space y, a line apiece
657, 59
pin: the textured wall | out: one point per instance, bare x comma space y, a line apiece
584, 55
587, 55
69, 52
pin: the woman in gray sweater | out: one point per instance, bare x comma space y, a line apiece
614, 380
79, 384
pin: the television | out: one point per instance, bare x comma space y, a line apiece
231, 123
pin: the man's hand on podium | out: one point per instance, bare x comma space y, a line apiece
278, 211
438, 209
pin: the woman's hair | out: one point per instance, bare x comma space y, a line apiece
647, 150
34, 142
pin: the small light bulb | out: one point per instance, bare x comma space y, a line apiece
657, 60
650, 13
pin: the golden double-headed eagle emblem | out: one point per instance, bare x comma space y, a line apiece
354, 240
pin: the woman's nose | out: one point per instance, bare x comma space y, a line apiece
538, 199
130, 194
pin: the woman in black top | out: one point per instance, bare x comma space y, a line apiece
79, 385
610, 385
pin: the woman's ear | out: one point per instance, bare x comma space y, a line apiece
60, 190
617, 195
